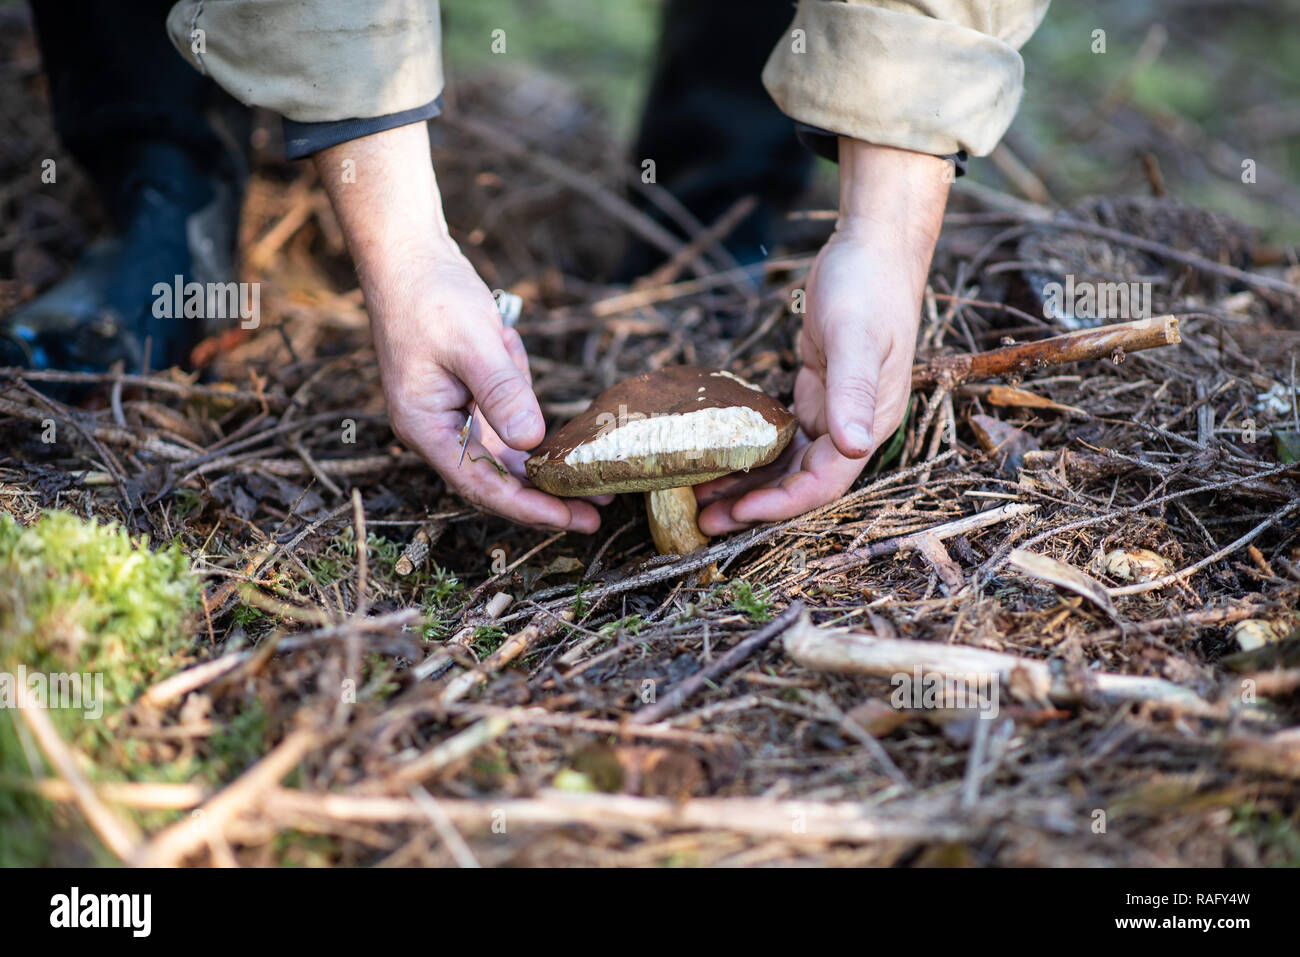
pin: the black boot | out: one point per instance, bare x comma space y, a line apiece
166, 149
178, 218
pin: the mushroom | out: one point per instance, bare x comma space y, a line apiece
661, 433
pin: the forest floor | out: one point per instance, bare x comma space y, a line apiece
461, 689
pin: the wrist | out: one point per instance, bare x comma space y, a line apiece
385, 194
892, 196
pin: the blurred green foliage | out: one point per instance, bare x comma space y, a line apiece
1222, 68
604, 48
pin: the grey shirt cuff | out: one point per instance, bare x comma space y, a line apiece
825, 144
304, 139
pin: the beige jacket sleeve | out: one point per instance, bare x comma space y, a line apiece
314, 61
936, 76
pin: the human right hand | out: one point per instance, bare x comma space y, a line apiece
438, 335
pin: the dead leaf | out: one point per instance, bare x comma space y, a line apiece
1135, 564
1254, 633
1007, 442
948, 854
1049, 570
601, 765
660, 772
1006, 395
933, 551
878, 718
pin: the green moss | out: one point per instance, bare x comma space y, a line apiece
239, 743
75, 595
296, 849
441, 600
380, 681
81, 598
487, 639
744, 598
580, 605
246, 616
1276, 836
631, 625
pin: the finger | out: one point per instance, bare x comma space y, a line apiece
513, 460
853, 361
738, 483
502, 392
479, 480
810, 401
481, 483
515, 463
822, 476
518, 354
729, 487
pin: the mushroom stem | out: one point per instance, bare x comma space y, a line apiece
672, 521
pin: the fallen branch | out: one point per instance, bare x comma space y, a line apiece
222, 392
1277, 754
182, 683
581, 183
510, 649
456, 748
171, 846
117, 833
917, 540
1105, 342
816, 821
1191, 620
846, 652
540, 717
148, 796
417, 551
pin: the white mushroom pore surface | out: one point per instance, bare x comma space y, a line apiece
732, 427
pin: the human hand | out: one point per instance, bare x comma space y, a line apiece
443, 349
438, 335
857, 342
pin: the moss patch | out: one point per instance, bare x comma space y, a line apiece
86, 599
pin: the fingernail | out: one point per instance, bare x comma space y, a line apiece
520, 424
858, 435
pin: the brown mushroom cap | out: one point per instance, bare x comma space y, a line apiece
682, 425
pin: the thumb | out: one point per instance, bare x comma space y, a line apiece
501, 390
853, 362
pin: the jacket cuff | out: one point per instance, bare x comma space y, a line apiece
304, 139
826, 144
315, 62
896, 78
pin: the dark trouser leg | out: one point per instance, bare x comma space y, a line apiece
117, 84
714, 133
164, 146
